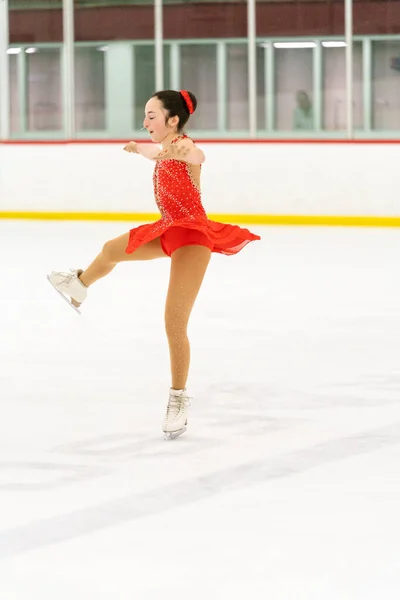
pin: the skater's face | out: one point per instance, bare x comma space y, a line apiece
156, 121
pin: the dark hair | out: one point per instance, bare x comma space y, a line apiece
176, 105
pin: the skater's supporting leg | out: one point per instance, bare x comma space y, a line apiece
188, 267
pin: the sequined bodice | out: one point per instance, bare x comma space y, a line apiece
177, 190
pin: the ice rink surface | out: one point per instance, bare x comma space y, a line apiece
286, 485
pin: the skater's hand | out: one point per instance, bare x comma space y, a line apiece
131, 147
174, 152
146, 150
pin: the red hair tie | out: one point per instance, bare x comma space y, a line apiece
188, 101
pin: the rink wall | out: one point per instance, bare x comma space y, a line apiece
320, 182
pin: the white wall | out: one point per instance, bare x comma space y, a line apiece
257, 178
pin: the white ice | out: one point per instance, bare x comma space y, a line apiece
286, 485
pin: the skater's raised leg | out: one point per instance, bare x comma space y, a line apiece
114, 252
74, 285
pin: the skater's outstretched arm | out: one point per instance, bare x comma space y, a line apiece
147, 150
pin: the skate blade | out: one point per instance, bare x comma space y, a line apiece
172, 435
63, 297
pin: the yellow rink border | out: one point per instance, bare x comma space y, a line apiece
243, 219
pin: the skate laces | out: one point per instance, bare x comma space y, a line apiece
67, 277
177, 404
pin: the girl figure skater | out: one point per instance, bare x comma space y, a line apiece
183, 233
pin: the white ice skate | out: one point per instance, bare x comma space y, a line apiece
69, 286
175, 421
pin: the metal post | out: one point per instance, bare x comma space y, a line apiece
222, 102
69, 68
4, 73
175, 58
317, 88
270, 86
22, 81
367, 84
158, 41
252, 66
349, 65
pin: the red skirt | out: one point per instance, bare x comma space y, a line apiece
221, 238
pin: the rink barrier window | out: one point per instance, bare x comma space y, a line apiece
112, 83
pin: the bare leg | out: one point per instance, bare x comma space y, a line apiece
113, 252
188, 267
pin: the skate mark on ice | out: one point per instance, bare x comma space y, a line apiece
135, 506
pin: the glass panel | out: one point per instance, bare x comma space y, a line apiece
90, 88
36, 34
91, 24
145, 78
214, 77
334, 88
381, 18
386, 85
294, 89
105, 91
199, 75
237, 87
44, 102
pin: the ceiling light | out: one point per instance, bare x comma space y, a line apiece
334, 44
295, 45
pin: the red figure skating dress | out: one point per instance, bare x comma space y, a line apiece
183, 219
